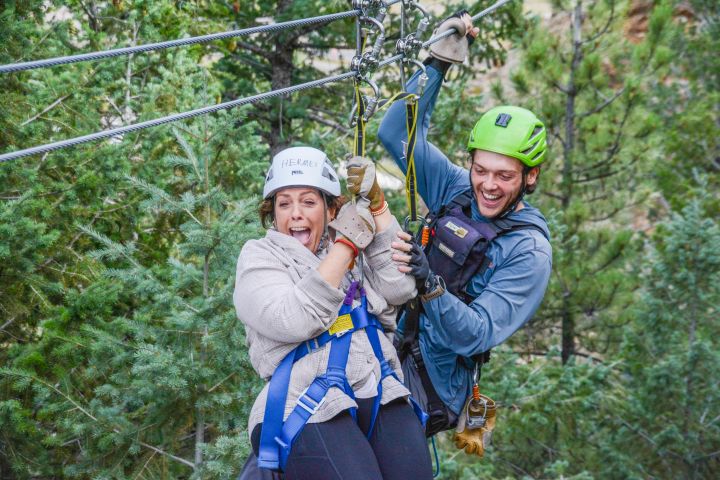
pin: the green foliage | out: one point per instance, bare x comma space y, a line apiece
671, 353
120, 354
587, 82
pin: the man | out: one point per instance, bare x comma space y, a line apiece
458, 323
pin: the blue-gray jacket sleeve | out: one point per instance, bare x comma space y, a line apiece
510, 298
438, 179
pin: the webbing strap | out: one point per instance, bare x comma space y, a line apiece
268, 454
277, 438
314, 396
359, 144
410, 177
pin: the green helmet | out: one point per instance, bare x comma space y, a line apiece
512, 131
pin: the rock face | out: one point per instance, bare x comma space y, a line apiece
638, 16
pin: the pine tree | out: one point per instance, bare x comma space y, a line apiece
149, 365
671, 353
687, 104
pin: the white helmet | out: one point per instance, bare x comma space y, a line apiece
301, 167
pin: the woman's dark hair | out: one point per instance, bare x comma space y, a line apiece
267, 208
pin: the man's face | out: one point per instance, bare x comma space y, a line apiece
496, 180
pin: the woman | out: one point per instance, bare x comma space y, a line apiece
290, 287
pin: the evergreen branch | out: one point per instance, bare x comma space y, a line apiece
124, 251
156, 192
552, 195
614, 212
329, 123
189, 152
563, 89
220, 382
599, 176
649, 439
47, 109
145, 465
600, 107
169, 455
264, 53
8, 323
605, 29
16, 373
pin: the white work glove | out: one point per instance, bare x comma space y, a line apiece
355, 223
454, 49
362, 182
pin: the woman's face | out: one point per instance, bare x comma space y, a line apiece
299, 213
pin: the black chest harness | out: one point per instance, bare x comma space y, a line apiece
456, 252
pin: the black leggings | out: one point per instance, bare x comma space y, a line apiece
339, 450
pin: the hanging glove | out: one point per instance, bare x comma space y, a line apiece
452, 49
355, 223
362, 182
475, 440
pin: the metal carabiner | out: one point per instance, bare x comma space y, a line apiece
371, 103
422, 81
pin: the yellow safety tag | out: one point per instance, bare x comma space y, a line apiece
342, 324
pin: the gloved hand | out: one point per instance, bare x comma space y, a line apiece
355, 223
475, 440
454, 49
420, 268
362, 182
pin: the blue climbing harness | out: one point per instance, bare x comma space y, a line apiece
276, 438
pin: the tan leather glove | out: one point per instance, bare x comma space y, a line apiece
473, 434
355, 223
362, 182
454, 48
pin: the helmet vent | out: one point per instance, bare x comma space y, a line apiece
269, 175
326, 173
536, 130
532, 147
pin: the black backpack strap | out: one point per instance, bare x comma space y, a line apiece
505, 225
411, 328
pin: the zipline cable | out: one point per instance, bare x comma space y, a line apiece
226, 105
173, 118
84, 57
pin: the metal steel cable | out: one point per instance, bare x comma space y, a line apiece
483, 13
224, 106
52, 62
446, 34
173, 118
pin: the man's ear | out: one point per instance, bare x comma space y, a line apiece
532, 175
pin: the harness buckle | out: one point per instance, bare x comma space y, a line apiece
305, 402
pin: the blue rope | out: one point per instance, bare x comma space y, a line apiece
437, 460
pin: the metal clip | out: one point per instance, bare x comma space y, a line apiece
371, 103
422, 81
